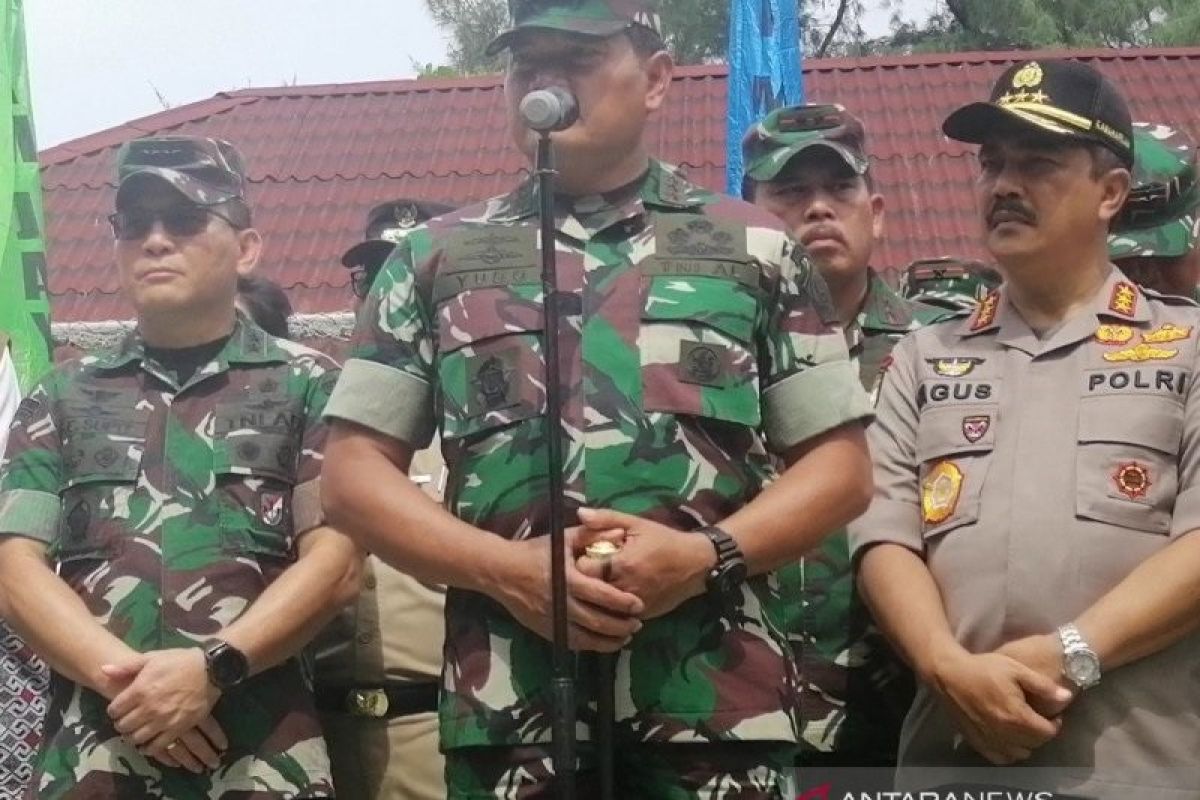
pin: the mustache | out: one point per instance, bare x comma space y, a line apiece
1007, 205
821, 232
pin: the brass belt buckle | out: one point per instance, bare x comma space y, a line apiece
367, 703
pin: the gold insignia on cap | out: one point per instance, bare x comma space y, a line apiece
1114, 334
1141, 352
940, 491
1167, 333
1132, 479
1028, 76
1123, 300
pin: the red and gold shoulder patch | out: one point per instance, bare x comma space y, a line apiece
1123, 300
1114, 334
1167, 333
985, 314
1132, 479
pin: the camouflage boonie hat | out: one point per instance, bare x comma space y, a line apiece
205, 171
951, 283
780, 136
598, 18
387, 224
1161, 218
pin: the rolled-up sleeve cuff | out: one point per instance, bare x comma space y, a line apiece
886, 522
306, 506
812, 402
1187, 511
384, 399
29, 513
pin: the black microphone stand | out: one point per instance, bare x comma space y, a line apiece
563, 682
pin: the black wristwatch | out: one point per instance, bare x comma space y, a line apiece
725, 579
227, 666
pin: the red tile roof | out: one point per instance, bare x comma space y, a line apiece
320, 156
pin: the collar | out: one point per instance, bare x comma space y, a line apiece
663, 186
249, 344
883, 309
1117, 300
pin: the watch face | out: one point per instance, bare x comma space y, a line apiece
228, 667
1082, 668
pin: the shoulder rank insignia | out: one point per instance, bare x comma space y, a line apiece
1167, 333
1141, 352
986, 313
954, 367
1114, 334
1132, 479
1123, 300
939, 492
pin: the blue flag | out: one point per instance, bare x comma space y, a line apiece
764, 71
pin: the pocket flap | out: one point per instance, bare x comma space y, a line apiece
721, 304
482, 314
956, 430
1149, 421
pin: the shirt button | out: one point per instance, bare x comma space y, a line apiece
369, 583
365, 638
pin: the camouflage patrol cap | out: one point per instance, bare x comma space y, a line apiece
387, 224
597, 18
780, 136
205, 171
1161, 218
952, 283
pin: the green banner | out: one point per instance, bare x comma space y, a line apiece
24, 308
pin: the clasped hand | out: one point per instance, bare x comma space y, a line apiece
165, 708
656, 569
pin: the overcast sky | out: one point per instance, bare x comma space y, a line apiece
99, 63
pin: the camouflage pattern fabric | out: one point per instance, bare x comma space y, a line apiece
1161, 218
951, 284
855, 690
777, 138
700, 342
168, 510
23, 688
583, 17
205, 171
741, 770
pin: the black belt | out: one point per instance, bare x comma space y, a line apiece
395, 699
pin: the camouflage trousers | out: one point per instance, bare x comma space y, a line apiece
84, 758
721, 771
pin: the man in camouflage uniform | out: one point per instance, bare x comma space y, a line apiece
378, 662
949, 283
174, 484
808, 166
1154, 241
697, 352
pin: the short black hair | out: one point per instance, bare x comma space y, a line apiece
266, 304
645, 41
1104, 160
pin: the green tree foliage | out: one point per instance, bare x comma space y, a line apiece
958, 25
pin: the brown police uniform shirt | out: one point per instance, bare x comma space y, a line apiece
1032, 475
394, 631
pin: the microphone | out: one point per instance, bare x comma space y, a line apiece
548, 110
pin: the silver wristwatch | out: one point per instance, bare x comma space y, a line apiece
1081, 665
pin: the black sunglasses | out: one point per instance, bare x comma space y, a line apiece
181, 221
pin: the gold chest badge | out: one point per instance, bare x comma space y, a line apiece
940, 491
1114, 334
1167, 333
1141, 352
